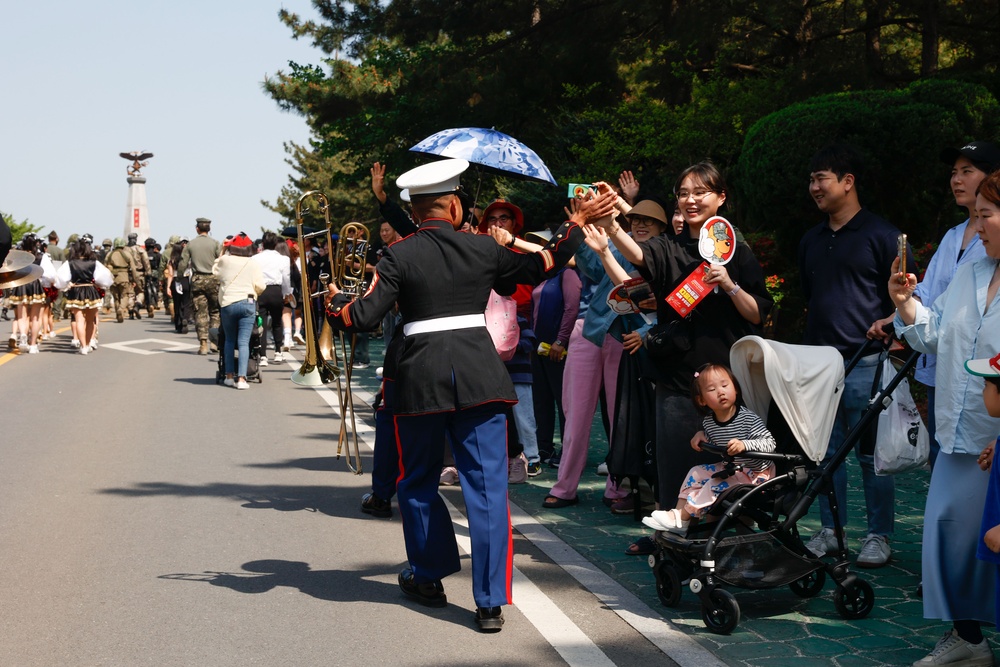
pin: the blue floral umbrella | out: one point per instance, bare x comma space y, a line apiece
488, 148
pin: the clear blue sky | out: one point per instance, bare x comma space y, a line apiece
82, 82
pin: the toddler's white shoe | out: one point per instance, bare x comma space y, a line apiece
668, 520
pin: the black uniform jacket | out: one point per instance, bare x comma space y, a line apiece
439, 272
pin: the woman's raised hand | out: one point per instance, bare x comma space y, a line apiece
595, 238
629, 186
901, 286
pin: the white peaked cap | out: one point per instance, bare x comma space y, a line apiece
433, 178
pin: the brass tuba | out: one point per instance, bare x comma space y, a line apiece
348, 267
320, 363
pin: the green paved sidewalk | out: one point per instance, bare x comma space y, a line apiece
777, 627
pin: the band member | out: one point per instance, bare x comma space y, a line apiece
449, 380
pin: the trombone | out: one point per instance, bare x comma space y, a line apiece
348, 266
320, 363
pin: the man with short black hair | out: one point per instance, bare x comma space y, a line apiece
845, 264
197, 258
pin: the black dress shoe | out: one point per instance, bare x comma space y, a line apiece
489, 619
372, 504
430, 594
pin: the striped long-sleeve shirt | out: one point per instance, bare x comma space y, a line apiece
746, 426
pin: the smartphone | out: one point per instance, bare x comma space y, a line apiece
901, 248
579, 190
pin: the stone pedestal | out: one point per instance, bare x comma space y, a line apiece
136, 211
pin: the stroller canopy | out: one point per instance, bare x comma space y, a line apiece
805, 382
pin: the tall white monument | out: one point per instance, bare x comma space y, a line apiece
136, 211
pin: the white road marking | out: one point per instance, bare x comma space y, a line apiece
158, 346
576, 648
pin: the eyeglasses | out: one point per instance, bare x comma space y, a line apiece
499, 218
643, 221
697, 195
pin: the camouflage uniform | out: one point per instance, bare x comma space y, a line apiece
142, 270
199, 255
154, 277
122, 266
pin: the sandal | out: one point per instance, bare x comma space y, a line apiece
641, 547
555, 503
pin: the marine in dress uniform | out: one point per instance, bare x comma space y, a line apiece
450, 380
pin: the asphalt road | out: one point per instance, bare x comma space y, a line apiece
152, 517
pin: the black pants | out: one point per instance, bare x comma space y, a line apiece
269, 305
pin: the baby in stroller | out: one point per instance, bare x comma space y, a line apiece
728, 427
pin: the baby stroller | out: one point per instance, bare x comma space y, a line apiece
755, 542
218, 337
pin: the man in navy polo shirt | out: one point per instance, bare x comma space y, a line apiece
845, 266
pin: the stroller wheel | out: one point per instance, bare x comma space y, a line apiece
854, 601
668, 584
723, 617
809, 585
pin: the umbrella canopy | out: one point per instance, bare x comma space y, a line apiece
488, 148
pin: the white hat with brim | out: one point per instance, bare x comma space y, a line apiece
987, 368
435, 178
404, 194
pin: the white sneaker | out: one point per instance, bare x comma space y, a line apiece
242, 384
263, 362
602, 469
822, 543
299, 338
279, 357
953, 650
669, 520
287, 344
229, 382
85, 349
93, 345
74, 343
32, 349
517, 470
23, 340
875, 551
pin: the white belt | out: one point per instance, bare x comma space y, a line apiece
444, 324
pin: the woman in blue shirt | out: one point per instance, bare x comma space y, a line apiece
963, 323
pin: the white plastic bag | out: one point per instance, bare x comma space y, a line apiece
902, 442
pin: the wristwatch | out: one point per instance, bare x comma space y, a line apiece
559, 343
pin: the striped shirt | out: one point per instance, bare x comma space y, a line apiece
746, 426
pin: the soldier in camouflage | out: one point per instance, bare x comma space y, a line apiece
198, 257
142, 270
153, 277
121, 263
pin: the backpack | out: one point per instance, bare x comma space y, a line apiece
501, 321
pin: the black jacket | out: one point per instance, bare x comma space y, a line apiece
439, 272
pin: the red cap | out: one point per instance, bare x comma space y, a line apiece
241, 240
